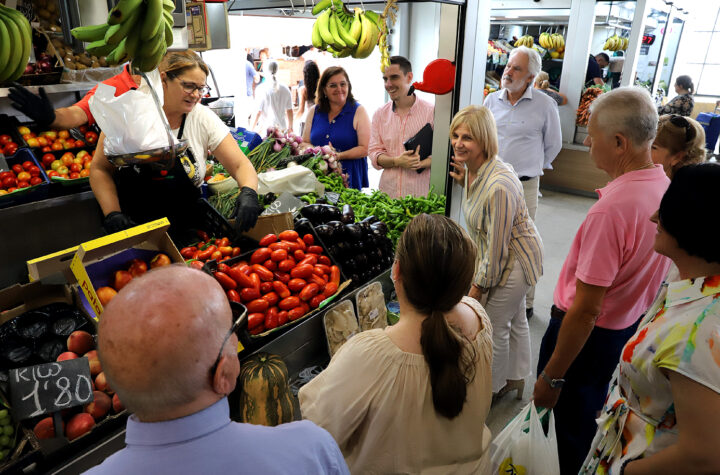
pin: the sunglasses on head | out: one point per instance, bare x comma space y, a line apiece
680, 121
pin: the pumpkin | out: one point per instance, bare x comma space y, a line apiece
265, 397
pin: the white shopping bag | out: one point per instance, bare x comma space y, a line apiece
522, 448
297, 180
132, 122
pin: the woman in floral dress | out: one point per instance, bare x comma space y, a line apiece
662, 411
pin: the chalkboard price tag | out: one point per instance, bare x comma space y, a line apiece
50, 387
285, 203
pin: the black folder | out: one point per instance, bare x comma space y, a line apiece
424, 139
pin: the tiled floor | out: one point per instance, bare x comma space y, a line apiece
558, 218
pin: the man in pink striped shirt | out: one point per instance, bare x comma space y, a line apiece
392, 125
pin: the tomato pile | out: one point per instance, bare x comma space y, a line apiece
286, 277
7, 146
209, 249
69, 165
50, 140
20, 176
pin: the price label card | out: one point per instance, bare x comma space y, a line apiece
50, 387
285, 203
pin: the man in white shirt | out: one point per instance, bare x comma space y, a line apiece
528, 125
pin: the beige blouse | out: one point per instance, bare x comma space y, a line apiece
376, 401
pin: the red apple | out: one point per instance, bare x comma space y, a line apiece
101, 383
94, 361
116, 404
160, 260
100, 405
80, 342
106, 294
122, 278
68, 355
79, 424
137, 267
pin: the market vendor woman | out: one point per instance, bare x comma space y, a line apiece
134, 195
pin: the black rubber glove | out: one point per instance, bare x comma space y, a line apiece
38, 108
247, 209
116, 221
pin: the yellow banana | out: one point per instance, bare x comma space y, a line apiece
375, 18
323, 22
122, 11
345, 34
356, 26
338, 42
317, 40
153, 19
368, 39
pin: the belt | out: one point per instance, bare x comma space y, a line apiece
556, 313
526, 178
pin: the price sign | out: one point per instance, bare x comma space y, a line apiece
50, 387
285, 203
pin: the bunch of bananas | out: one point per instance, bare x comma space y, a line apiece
526, 40
137, 30
344, 33
616, 43
554, 41
15, 43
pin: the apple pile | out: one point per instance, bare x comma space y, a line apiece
121, 278
52, 139
82, 344
19, 176
69, 165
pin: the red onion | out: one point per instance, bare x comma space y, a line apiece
29, 69
277, 146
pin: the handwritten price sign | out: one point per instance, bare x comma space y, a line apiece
50, 387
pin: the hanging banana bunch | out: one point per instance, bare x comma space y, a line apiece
137, 30
15, 43
554, 41
343, 33
616, 43
526, 40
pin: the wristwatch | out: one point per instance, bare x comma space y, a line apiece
553, 383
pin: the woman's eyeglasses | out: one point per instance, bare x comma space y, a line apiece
680, 121
189, 88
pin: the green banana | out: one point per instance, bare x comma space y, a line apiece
122, 11
23, 27
320, 6
168, 35
168, 17
99, 48
368, 39
169, 6
121, 31
14, 53
317, 40
374, 17
356, 26
337, 40
150, 48
4, 46
90, 32
118, 53
132, 43
345, 34
153, 19
323, 22
149, 63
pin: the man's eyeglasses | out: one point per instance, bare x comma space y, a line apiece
680, 121
236, 324
189, 88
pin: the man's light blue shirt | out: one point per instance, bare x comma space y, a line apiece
208, 442
529, 133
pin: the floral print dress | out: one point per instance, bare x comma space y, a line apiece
681, 333
682, 105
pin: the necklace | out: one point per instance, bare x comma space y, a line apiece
648, 165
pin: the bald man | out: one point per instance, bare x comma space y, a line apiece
168, 351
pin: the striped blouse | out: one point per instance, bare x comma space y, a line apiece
498, 222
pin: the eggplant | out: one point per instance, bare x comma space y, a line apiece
380, 226
343, 250
350, 265
355, 278
353, 232
362, 261
303, 226
338, 230
325, 233
313, 213
348, 215
370, 219
321, 201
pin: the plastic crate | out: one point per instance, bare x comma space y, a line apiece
31, 193
74, 134
711, 124
204, 217
246, 139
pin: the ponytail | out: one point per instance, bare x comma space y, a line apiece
276, 86
443, 352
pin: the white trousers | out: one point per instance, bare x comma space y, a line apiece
505, 306
530, 193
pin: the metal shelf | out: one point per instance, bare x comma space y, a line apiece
55, 88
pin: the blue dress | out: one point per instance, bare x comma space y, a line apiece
343, 137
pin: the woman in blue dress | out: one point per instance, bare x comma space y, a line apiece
338, 120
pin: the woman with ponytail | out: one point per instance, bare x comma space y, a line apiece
413, 398
274, 101
683, 103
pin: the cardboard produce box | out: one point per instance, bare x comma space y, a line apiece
96, 261
51, 264
272, 223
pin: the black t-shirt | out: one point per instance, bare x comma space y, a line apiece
593, 71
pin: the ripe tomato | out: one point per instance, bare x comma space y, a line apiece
47, 159
74, 175
27, 164
10, 190
76, 167
27, 136
52, 173
46, 149
63, 134
4, 175
83, 128
42, 141
79, 143
85, 172
17, 168
33, 142
56, 146
87, 165
69, 143
67, 159
4, 139
36, 180
23, 184
23, 130
9, 182
10, 148
34, 171
91, 137
23, 176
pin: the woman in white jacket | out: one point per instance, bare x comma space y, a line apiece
274, 101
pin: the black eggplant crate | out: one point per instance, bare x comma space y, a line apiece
25, 195
206, 218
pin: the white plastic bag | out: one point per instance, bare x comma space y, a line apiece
523, 448
132, 122
297, 180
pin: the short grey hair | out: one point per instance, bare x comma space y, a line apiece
629, 111
534, 60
